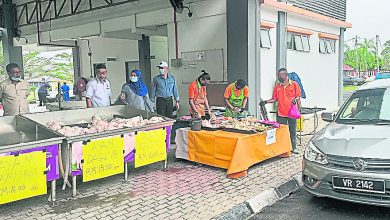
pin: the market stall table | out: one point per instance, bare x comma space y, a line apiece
102, 154
28, 159
232, 151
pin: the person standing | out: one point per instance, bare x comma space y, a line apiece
285, 93
135, 93
164, 90
42, 92
14, 92
65, 91
98, 89
236, 98
198, 96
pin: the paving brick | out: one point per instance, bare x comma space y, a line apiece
191, 192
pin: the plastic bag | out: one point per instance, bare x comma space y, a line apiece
294, 112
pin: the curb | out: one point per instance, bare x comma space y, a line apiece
266, 198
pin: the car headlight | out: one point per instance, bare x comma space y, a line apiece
314, 155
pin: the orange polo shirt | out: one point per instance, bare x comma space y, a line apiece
193, 89
284, 95
228, 91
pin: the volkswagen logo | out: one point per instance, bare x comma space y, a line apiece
359, 164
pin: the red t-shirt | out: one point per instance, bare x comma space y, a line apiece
284, 95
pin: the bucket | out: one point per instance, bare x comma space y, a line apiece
196, 125
300, 123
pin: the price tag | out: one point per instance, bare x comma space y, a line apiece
271, 137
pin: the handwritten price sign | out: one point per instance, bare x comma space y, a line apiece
103, 158
150, 147
22, 176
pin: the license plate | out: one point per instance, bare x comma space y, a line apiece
365, 185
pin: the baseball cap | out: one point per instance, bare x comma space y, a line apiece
163, 64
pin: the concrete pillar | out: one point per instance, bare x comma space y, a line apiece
243, 47
11, 54
144, 60
76, 63
281, 41
340, 69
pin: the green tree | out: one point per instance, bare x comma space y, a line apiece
366, 56
386, 55
1, 61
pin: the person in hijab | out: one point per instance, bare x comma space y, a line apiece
135, 93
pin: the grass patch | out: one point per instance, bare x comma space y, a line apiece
350, 88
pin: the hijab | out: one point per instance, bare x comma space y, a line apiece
138, 87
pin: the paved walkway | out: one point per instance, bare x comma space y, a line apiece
186, 191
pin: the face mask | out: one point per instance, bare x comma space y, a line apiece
162, 72
133, 78
281, 79
15, 79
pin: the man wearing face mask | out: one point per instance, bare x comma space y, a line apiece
98, 89
198, 96
236, 98
286, 92
14, 92
164, 90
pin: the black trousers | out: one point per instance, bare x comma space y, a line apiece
42, 98
164, 107
292, 126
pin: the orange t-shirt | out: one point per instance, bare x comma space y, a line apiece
228, 91
284, 95
194, 88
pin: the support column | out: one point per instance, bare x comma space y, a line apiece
76, 62
11, 54
243, 47
144, 60
340, 69
281, 41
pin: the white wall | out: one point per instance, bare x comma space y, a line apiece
204, 31
317, 71
268, 70
159, 49
101, 48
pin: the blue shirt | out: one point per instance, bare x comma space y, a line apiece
43, 87
65, 88
164, 88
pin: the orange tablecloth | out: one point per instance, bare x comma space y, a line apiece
236, 152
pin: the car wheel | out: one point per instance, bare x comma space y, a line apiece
355, 83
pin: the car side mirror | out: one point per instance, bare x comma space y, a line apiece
327, 116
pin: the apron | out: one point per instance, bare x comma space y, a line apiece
235, 101
199, 102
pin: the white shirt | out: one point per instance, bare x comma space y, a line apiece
99, 92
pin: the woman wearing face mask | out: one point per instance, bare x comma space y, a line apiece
135, 93
198, 96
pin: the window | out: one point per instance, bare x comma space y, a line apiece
298, 42
306, 43
290, 41
327, 45
265, 39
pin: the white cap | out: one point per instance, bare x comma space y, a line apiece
163, 64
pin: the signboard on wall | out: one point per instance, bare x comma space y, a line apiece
210, 60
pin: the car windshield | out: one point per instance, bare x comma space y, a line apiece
367, 106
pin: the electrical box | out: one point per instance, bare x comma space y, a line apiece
176, 62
